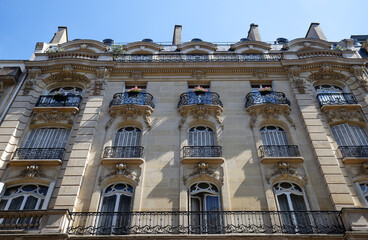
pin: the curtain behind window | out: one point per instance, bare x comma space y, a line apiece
47, 138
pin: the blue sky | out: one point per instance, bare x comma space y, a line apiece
25, 22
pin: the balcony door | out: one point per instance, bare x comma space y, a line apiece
204, 205
127, 142
260, 98
116, 205
350, 135
330, 94
291, 203
275, 142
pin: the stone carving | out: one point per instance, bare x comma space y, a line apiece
358, 72
32, 171
130, 113
343, 114
102, 73
325, 73
28, 86
122, 170
200, 112
363, 170
67, 75
33, 73
269, 111
136, 75
53, 116
203, 170
260, 73
198, 74
98, 87
285, 171
294, 77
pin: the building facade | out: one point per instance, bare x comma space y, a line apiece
177, 141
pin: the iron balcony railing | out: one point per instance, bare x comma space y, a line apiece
69, 100
38, 153
279, 151
217, 57
354, 151
132, 98
336, 99
123, 152
194, 98
202, 151
211, 222
271, 97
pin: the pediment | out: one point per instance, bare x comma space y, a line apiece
197, 47
84, 45
142, 48
250, 47
307, 44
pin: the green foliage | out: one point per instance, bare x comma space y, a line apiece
118, 49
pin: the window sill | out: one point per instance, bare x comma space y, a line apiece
193, 160
111, 161
294, 160
41, 162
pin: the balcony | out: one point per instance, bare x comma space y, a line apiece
211, 222
59, 101
132, 98
276, 153
197, 154
270, 97
125, 154
41, 156
191, 98
354, 154
335, 100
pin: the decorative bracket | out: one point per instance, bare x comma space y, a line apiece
200, 112
130, 113
269, 111
202, 170
295, 79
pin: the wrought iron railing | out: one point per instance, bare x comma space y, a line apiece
217, 57
336, 99
59, 101
123, 152
271, 97
20, 220
202, 151
211, 222
354, 151
279, 151
38, 153
194, 98
133, 98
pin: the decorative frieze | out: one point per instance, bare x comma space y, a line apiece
359, 74
285, 171
136, 75
343, 114
121, 171
32, 171
295, 79
131, 113
51, 116
67, 75
200, 112
198, 74
325, 73
269, 111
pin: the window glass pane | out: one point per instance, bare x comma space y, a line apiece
283, 203
16, 203
3, 204
298, 202
212, 203
108, 204
30, 203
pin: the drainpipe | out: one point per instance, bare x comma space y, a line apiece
23, 78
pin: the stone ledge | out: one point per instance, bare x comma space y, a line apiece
111, 161
41, 162
210, 160
282, 159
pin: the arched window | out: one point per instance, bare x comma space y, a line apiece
201, 136
128, 136
333, 95
350, 135
44, 143
204, 202
273, 135
290, 197
364, 192
25, 197
116, 204
67, 90
327, 88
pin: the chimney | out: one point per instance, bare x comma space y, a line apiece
61, 36
315, 31
253, 33
177, 35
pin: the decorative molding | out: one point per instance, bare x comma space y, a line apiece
295, 79
325, 73
130, 113
260, 73
363, 169
343, 114
98, 87
136, 75
269, 111
34, 72
359, 74
102, 73
67, 75
49, 116
32, 171
199, 112
285, 171
198, 74
203, 171
122, 171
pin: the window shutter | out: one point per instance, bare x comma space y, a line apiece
48, 196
